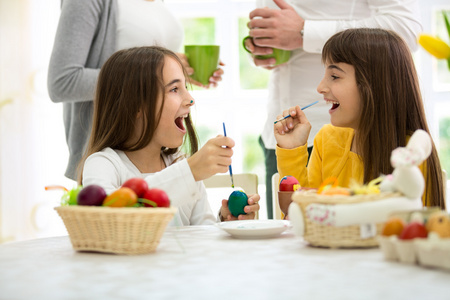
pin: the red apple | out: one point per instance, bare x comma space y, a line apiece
138, 185
158, 196
414, 230
289, 184
91, 195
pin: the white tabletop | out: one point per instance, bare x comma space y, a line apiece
204, 262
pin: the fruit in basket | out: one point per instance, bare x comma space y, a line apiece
393, 226
159, 197
91, 195
73, 195
439, 222
138, 185
69, 197
123, 197
413, 230
289, 183
236, 203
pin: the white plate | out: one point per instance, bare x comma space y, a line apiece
255, 229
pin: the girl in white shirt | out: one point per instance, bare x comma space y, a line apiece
141, 117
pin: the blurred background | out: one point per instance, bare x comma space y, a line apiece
33, 152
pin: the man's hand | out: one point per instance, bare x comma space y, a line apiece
276, 28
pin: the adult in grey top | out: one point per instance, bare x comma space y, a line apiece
89, 32
85, 39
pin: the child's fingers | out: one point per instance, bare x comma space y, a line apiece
249, 216
223, 162
253, 199
292, 121
281, 126
289, 123
253, 204
222, 141
251, 208
301, 116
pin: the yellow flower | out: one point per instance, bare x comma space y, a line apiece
435, 46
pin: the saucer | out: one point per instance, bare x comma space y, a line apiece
254, 229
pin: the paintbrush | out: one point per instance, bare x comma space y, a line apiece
283, 118
229, 167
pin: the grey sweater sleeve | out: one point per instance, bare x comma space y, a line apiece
69, 77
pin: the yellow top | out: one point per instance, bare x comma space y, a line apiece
331, 157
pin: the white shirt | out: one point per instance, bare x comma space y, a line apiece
295, 83
147, 23
111, 168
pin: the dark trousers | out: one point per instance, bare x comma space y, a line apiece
271, 168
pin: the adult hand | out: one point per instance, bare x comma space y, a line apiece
185, 63
292, 132
213, 80
214, 157
269, 63
216, 77
250, 209
276, 28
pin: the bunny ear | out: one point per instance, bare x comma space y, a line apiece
417, 150
420, 141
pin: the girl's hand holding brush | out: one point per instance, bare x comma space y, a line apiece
292, 132
214, 157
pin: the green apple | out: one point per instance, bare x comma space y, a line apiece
70, 197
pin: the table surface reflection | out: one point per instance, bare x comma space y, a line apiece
204, 262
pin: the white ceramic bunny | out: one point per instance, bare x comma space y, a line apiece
406, 179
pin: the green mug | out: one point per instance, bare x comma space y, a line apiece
204, 59
281, 56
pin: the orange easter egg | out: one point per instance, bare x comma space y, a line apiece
393, 226
439, 222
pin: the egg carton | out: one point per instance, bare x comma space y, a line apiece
430, 252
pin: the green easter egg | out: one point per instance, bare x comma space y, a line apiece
236, 203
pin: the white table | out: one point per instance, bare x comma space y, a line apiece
204, 262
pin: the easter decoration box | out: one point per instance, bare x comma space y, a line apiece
130, 220
417, 237
336, 217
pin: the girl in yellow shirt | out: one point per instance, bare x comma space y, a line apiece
371, 84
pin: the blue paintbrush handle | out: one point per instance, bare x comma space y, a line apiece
229, 167
284, 118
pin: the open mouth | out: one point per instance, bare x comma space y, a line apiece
180, 122
335, 104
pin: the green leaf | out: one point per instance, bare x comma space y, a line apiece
149, 202
110, 202
447, 24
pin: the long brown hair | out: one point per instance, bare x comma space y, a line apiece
392, 107
129, 81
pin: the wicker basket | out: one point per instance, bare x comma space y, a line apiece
127, 230
332, 236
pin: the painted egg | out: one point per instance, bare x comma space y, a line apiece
236, 203
413, 230
289, 184
439, 222
393, 226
